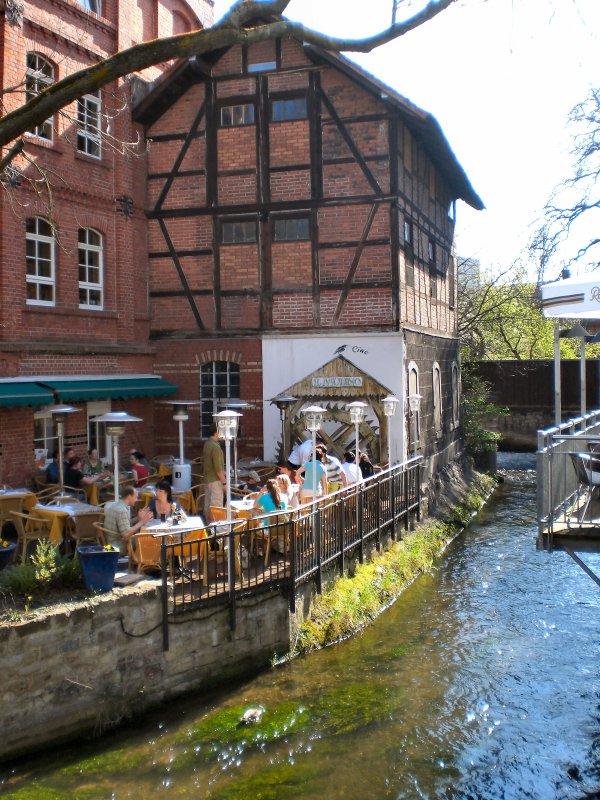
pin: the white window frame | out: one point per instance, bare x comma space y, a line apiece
36, 279
90, 250
436, 376
95, 408
35, 81
237, 115
89, 124
49, 439
92, 5
455, 394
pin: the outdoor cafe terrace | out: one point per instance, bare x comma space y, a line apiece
201, 565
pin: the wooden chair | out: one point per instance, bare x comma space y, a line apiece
218, 513
191, 550
106, 536
81, 528
29, 529
7, 506
144, 551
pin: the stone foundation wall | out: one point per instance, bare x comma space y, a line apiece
78, 670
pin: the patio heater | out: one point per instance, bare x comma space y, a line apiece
357, 414
182, 472
227, 424
414, 403
578, 332
283, 402
390, 404
235, 405
59, 414
314, 418
115, 427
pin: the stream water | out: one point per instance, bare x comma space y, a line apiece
482, 682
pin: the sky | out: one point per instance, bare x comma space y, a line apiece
500, 76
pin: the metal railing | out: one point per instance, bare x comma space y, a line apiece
229, 561
557, 480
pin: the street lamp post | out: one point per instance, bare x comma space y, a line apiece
357, 414
414, 403
115, 427
390, 403
314, 418
235, 405
283, 401
227, 423
59, 413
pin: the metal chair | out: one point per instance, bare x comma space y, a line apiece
588, 480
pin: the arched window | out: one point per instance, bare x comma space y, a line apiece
218, 380
91, 268
455, 394
437, 398
39, 74
413, 388
40, 258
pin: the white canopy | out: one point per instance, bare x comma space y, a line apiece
572, 298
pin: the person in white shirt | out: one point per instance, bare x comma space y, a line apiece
301, 453
351, 471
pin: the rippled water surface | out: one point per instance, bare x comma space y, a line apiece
481, 682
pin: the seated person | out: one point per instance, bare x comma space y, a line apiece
270, 498
74, 477
117, 518
140, 472
283, 468
253, 482
366, 468
52, 470
141, 458
92, 464
287, 492
163, 505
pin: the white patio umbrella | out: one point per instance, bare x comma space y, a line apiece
571, 298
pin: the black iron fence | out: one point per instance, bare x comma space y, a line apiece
228, 561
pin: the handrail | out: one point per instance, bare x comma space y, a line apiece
287, 548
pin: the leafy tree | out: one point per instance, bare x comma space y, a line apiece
500, 318
571, 206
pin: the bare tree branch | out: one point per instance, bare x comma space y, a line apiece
227, 33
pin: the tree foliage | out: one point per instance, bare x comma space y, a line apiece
572, 214
246, 23
500, 317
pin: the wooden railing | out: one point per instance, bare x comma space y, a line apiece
233, 560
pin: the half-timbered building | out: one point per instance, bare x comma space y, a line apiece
301, 220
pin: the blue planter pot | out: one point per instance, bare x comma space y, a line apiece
98, 567
7, 555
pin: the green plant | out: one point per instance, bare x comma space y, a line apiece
476, 408
19, 578
45, 562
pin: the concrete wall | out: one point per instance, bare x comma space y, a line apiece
80, 669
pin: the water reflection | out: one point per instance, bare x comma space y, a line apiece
480, 683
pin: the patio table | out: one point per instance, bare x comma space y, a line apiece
58, 515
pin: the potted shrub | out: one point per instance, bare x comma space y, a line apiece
7, 553
98, 565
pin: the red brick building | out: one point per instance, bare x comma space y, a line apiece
73, 243
301, 221
289, 230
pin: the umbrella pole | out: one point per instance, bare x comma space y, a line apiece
557, 387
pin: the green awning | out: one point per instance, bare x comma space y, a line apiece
102, 388
22, 393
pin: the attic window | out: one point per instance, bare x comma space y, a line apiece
294, 108
262, 66
234, 116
